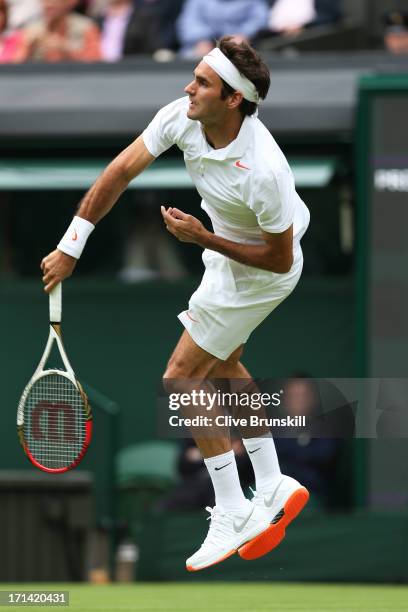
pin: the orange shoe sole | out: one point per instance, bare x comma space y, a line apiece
189, 568
269, 539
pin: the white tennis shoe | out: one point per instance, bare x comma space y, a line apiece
228, 531
281, 506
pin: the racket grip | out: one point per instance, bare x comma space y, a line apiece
56, 304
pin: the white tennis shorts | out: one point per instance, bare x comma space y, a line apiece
232, 300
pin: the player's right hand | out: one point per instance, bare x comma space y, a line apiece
56, 267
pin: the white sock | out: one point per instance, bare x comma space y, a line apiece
224, 476
264, 459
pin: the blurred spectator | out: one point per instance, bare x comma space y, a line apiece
290, 17
62, 35
130, 27
201, 21
85, 7
311, 460
396, 32
169, 13
22, 12
11, 41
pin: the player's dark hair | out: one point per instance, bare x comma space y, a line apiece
251, 65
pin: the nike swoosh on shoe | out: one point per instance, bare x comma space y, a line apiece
239, 528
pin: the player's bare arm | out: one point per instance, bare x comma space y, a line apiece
275, 255
113, 181
98, 201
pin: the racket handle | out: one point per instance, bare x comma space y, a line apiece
56, 304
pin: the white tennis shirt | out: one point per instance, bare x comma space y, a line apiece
245, 187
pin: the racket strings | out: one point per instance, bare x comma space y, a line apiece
54, 421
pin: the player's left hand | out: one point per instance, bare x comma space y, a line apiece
185, 228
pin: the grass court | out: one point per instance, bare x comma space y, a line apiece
220, 597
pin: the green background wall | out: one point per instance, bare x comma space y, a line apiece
119, 338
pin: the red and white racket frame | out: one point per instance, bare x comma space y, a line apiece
55, 305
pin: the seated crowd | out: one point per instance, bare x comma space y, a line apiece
108, 30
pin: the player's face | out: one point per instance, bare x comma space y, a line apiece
205, 95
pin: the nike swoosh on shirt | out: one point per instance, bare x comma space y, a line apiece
239, 165
239, 528
217, 469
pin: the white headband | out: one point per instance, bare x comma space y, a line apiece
231, 75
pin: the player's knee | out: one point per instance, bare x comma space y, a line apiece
176, 378
179, 369
176, 368
172, 385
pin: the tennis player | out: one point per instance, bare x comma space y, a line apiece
253, 261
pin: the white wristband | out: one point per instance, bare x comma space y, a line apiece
74, 239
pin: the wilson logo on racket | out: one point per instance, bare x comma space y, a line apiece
60, 422
54, 418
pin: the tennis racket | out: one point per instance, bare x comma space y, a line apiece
54, 418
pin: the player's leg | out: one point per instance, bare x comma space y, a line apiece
189, 367
257, 440
234, 519
280, 496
